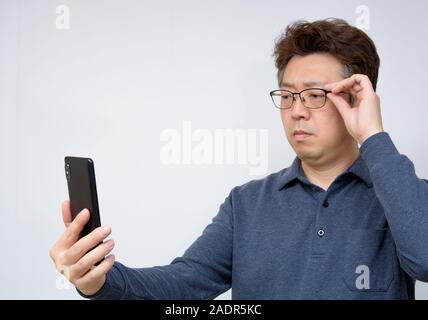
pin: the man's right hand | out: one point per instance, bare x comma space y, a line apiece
76, 258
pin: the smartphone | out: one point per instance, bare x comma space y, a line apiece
82, 190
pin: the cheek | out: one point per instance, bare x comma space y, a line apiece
336, 121
332, 111
330, 124
287, 121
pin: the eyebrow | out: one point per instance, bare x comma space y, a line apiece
305, 84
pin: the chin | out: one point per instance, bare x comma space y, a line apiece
307, 153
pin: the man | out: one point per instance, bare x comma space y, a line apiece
342, 222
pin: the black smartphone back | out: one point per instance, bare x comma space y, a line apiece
82, 190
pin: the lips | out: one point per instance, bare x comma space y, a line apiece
301, 135
300, 132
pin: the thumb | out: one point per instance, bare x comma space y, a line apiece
341, 104
66, 212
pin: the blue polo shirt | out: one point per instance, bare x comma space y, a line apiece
282, 237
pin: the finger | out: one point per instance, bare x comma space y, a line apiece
64, 270
71, 234
330, 85
66, 212
341, 104
343, 85
357, 82
90, 259
87, 243
96, 273
354, 92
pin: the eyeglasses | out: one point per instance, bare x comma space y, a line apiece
312, 98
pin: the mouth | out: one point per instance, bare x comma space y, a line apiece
301, 135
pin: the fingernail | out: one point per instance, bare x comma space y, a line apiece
110, 244
105, 230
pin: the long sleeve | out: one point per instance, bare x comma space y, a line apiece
203, 272
404, 198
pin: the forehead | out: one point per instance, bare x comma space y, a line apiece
312, 70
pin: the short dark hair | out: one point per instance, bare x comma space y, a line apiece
350, 45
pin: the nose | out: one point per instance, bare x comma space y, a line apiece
298, 110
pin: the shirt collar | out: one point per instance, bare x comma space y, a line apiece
358, 168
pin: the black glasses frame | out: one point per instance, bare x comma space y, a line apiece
301, 98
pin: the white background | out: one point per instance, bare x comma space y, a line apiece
127, 70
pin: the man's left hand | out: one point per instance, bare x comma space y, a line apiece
363, 119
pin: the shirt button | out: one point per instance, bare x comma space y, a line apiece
321, 232
325, 203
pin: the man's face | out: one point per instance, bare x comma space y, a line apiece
327, 128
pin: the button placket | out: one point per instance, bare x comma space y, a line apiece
320, 234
